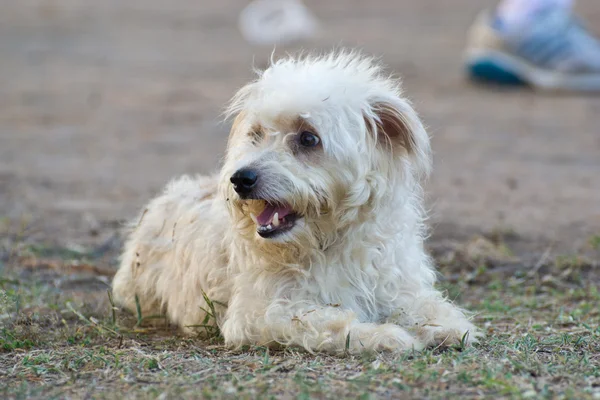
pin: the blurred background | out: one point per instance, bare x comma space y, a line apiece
102, 102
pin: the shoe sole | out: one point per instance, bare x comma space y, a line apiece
506, 69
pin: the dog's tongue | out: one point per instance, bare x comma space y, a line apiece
266, 217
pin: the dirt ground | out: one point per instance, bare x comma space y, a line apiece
102, 102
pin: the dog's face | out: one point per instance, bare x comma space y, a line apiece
317, 145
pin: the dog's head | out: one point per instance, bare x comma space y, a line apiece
319, 143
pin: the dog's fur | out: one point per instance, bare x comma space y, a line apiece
352, 274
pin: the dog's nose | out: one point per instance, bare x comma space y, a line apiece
244, 180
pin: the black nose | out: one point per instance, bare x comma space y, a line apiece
244, 180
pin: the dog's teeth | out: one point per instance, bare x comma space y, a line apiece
276, 220
265, 228
253, 217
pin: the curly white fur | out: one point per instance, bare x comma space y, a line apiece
352, 272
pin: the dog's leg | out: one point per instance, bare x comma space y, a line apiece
434, 319
251, 319
444, 323
173, 254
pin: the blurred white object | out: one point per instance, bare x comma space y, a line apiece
269, 22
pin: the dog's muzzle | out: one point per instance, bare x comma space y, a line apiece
244, 181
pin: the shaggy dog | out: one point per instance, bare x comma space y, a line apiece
312, 233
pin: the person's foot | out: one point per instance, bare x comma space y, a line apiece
554, 52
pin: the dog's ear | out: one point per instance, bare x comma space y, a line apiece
399, 129
392, 128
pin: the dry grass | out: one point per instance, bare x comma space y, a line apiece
60, 336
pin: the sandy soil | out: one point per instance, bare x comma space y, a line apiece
101, 102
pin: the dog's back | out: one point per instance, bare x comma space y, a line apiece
174, 251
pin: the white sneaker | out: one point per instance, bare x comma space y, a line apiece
554, 52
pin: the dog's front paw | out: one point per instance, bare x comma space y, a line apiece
386, 337
446, 334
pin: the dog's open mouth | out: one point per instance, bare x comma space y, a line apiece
274, 219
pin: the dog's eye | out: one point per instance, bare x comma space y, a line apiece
309, 139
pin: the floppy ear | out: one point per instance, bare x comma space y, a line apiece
392, 129
399, 129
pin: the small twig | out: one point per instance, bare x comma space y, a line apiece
91, 321
141, 218
138, 309
540, 262
347, 347
113, 309
441, 344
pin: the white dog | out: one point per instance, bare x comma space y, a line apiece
312, 234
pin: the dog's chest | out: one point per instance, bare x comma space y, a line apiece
352, 287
